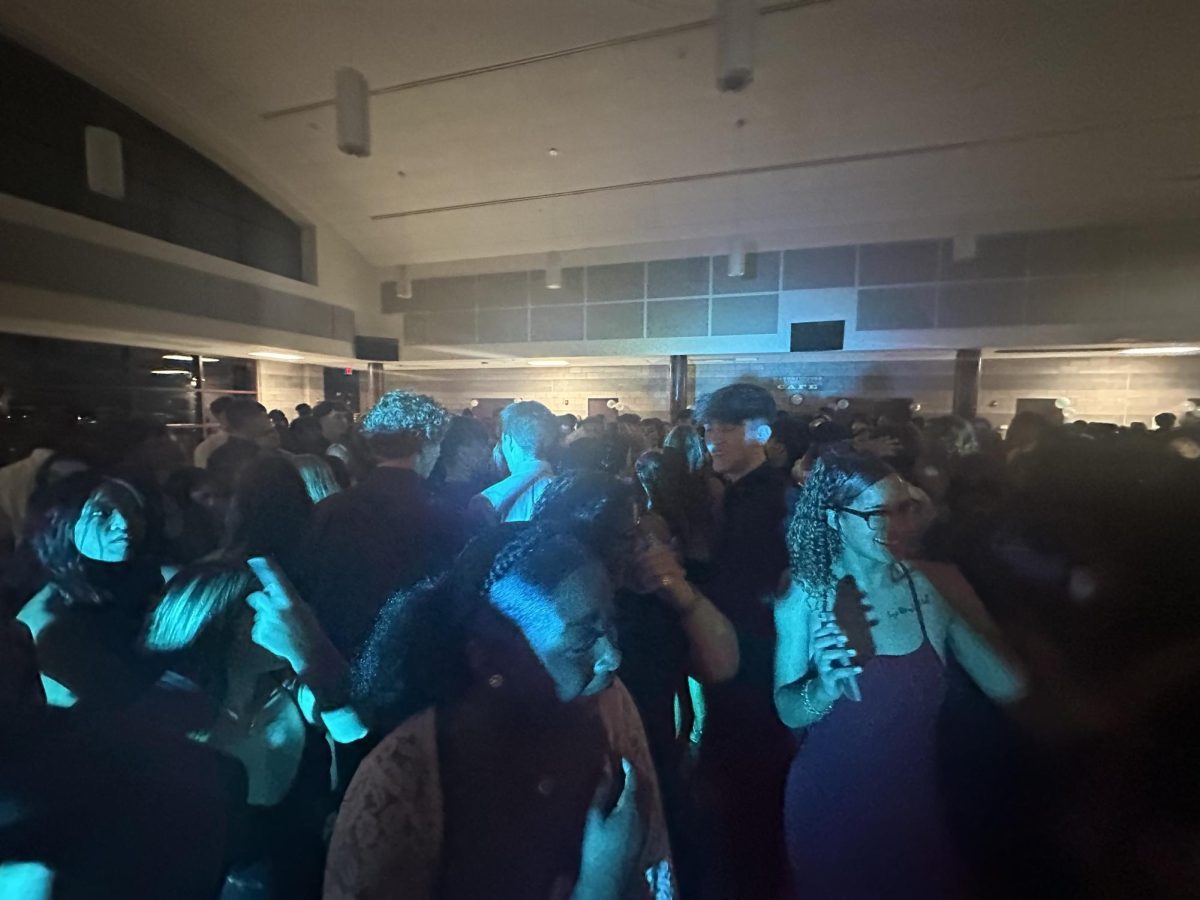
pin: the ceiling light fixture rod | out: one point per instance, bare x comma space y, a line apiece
654, 34
818, 162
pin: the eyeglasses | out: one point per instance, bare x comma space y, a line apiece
877, 519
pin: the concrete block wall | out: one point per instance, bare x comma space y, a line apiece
643, 389
1118, 389
283, 385
928, 382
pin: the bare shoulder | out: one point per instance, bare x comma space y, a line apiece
947, 578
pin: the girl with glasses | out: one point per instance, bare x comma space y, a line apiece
863, 648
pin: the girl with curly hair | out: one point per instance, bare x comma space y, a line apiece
515, 764
865, 642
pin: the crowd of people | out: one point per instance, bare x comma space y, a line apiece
742, 654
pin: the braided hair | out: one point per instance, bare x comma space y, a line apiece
416, 654
838, 477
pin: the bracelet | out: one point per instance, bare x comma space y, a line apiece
813, 711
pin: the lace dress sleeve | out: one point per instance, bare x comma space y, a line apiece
627, 738
387, 840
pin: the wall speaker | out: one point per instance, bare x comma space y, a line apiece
377, 349
352, 105
105, 162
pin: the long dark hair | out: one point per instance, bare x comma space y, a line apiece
839, 475
678, 495
269, 513
416, 654
196, 620
596, 506
686, 439
79, 581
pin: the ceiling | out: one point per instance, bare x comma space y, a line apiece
868, 119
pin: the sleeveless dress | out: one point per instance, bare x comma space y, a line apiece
863, 810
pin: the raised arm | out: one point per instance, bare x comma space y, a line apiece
812, 658
286, 626
713, 653
973, 637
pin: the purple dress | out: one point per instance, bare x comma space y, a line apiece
863, 811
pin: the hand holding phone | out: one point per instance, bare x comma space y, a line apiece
834, 659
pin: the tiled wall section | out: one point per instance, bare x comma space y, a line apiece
283, 385
1087, 275
661, 299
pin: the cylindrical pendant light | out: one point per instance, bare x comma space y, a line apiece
352, 105
737, 22
738, 249
403, 283
554, 270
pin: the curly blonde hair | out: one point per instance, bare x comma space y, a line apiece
838, 477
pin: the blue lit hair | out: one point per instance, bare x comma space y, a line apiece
416, 654
195, 622
686, 439
317, 473
531, 426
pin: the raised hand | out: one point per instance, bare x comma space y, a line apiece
283, 623
657, 571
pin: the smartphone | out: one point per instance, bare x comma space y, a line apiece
851, 617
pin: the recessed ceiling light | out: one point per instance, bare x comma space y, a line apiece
177, 357
1160, 351
549, 363
553, 151
275, 355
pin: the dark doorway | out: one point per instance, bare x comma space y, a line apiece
487, 407
1047, 409
599, 406
342, 385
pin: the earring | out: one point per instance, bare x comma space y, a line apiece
496, 681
